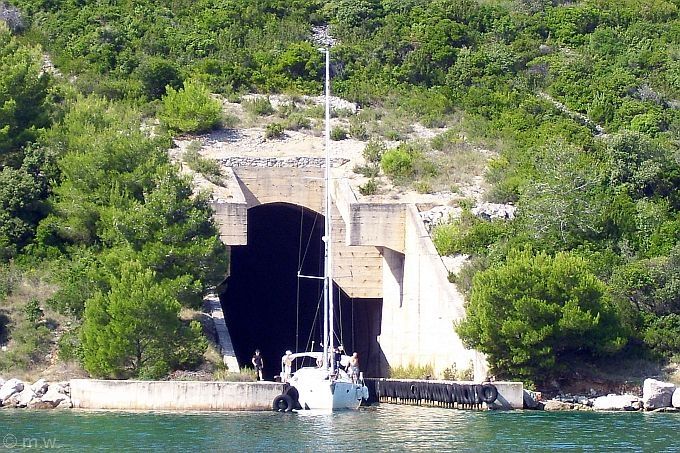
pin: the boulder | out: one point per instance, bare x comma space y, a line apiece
54, 395
40, 387
492, 211
65, 404
666, 409
617, 403
24, 397
9, 388
38, 404
675, 401
657, 394
556, 405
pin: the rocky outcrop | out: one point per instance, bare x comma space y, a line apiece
55, 395
617, 403
557, 405
493, 211
40, 387
39, 395
438, 215
657, 394
9, 388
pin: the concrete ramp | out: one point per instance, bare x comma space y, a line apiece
213, 308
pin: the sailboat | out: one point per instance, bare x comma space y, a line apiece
325, 385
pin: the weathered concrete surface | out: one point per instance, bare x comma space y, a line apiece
173, 395
380, 250
231, 210
420, 307
212, 305
510, 395
377, 224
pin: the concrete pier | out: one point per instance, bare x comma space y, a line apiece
174, 395
450, 394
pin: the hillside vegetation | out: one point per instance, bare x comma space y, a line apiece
580, 101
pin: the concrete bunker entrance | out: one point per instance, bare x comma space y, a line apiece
268, 307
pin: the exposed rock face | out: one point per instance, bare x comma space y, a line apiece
438, 215
25, 397
39, 395
37, 404
556, 405
40, 387
657, 394
492, 211
55, 394
9, 388
617, 403
675, 401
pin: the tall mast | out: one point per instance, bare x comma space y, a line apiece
328, 263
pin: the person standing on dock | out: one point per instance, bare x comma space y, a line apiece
354, 367
287, 365
258, 363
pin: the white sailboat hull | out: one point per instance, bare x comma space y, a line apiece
317, 392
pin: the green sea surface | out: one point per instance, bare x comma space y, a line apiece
378, 428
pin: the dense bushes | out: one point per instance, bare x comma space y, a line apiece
534, 313
190, 109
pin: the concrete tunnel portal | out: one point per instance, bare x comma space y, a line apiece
268, 307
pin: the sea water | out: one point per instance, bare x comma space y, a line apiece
379, 428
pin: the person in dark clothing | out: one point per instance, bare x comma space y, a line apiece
337, 356
258, 363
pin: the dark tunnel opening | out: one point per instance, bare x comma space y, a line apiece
260, 299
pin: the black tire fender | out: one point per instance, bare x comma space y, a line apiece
489, 393
283, 403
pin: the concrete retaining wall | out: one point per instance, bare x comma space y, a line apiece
420, 307
173, 395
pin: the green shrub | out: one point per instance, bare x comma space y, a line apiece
468, 234
338, 133
370, 188
399, 163
411, 372
422, 187
33, 311
357, 129
662, 335
70, 347
191, 109
243, 375
369, 171
297, 121
373, 151
209, 168
258, 106
274, 131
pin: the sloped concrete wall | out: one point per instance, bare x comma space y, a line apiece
173, 395
420, 307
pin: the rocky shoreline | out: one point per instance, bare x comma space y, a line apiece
15, 393
657, 396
